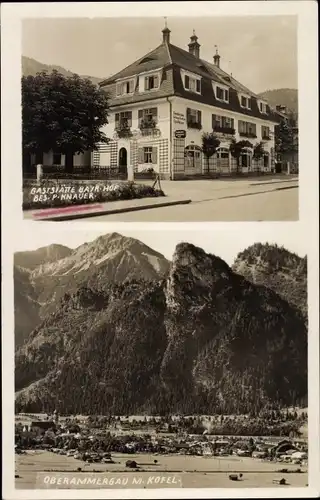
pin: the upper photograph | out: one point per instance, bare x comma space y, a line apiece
181, 119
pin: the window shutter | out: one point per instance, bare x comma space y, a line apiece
118, 89
198, 86
232, 122
140, 156
154, 156
154, 113
199, 117
146, 83
130, 118
186, 81
213, 121
188, 114
117, 118
156, 81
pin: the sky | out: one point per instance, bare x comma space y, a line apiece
260, 52
225, 240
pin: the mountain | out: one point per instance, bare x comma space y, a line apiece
33, 258
285, 97
32, 67
198, 339
55, 270
282, 271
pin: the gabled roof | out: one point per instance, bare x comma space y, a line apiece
166, 54
171, 59
157, 58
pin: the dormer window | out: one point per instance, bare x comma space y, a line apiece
263, 107
221, 93
191, 82
245, 102
151, 82
126, 87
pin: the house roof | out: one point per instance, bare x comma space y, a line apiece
172, 59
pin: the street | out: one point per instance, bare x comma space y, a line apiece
222, 200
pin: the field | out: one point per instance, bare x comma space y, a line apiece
195, 472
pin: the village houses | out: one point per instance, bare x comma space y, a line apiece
161, 105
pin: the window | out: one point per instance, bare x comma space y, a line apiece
123, 120
263, 107
192, 84
147, 155
223, 153
124, 88
56, 160
194, 118
148, 116
247, 129
223, 123
265, 132
192, 155
151, 82
222, 94
245, 102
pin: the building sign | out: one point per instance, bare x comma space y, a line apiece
179, 118
180, 134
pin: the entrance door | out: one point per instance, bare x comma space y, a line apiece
123, 158
223, 160
192, 155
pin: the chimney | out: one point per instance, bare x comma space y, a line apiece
216, 58
166, 33
194, 46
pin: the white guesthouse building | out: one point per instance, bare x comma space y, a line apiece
162, 104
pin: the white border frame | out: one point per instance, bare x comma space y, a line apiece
12, 213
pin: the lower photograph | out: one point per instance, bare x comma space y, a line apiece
161, 359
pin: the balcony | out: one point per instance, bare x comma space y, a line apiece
123, 131
248, 134
224, 130
148, 126
194, 124
266, 138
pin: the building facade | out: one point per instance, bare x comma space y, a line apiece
162, 104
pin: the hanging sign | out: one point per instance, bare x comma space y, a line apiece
180, 134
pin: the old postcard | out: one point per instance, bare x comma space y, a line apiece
212, 100
151, 359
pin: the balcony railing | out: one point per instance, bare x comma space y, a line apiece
252, 135
123, 131
193, 124
224, 130
149, 127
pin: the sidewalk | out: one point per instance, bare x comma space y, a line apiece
114, 207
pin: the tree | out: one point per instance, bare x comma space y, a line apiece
210, 144
285, 136
62, 114
236, 149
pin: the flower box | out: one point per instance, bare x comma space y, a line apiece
224, 130
196, 125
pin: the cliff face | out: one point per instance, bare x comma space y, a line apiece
276, 268
199, 339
